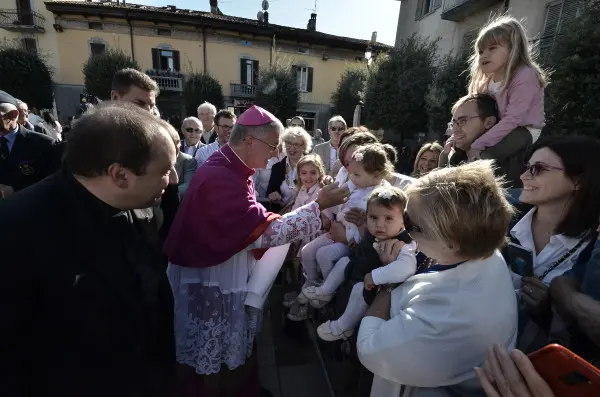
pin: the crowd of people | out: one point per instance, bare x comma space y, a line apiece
137, 258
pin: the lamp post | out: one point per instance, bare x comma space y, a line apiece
369, 54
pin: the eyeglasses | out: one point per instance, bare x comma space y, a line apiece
294, 145
295, 125
191, 130
410, 226
537, 168
461, 122
336, 129
273, 148
225, 127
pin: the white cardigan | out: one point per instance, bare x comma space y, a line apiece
440, 328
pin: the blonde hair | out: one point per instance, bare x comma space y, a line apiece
297, 132
508, 31
375, 159
310, 159
464, 206
434, 147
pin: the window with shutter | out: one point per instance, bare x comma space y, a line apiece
558, 14
302, 73
468, 41
97, 48
176, 61
30, 45
309, 81
425, 7
156, 58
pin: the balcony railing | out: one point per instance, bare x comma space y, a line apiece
166, 83
21, 21
242, 90
458, 10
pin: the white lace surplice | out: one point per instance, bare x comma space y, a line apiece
212, 324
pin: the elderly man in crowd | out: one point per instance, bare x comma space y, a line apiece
24, 119
206, 114
213, 254
92, 316
191, 128
328, 150
224, 122
26, 157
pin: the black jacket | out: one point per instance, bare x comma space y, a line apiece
212, 138
32, 158
87, 307
277, 177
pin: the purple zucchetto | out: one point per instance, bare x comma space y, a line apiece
256, 116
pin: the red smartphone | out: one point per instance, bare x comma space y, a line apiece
567, 374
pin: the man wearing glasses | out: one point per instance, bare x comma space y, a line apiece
473, 116
191, 128
224, 122
328, 150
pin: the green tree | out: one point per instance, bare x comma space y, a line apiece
26, 76
449, 84
572, 99
200, 88
349, 92
397, 85
277, 90
99, 70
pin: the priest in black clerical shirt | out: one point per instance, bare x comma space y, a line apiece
86, 306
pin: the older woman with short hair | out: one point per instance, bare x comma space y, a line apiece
425, 336
296, 143
328, 151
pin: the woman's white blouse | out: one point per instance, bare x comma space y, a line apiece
558, 246
288, 186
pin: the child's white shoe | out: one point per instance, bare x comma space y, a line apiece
298, 312
289, 298
315, 299
325, 333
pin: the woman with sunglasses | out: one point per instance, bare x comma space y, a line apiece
425, 336
561, 181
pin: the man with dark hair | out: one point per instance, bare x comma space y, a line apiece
224, 121
473, 116
133, 86
94, 316
26, 157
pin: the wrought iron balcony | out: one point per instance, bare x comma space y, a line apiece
458, 10
242, 90
167, 83
21, 21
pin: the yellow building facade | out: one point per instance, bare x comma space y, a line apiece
169, 43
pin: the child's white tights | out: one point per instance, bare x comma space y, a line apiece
335, 278
355, 311
322, 252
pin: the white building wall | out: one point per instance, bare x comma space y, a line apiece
451, 34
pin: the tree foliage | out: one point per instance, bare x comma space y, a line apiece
98, 71
199, 88
397, 85
277, 90
26, 77
349, 92
449, 84
572, 99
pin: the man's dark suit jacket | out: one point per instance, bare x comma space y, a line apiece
32, 158
86, 306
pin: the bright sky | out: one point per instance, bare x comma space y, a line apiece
350, 18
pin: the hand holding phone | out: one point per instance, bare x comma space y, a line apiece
520, 259
567, 374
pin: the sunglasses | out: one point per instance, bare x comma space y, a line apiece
410, 225
190, 130
336, 129
537, 168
